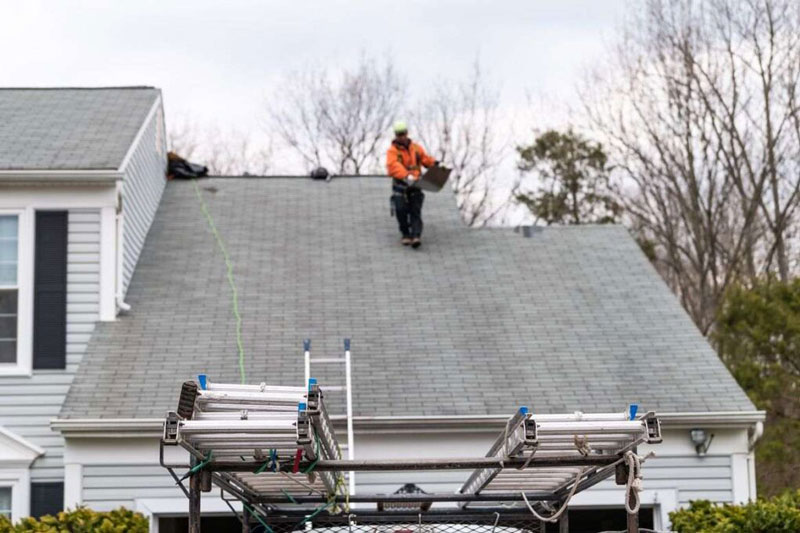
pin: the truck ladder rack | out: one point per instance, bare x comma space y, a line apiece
274, 449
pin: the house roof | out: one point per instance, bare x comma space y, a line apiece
477, 321
70, 128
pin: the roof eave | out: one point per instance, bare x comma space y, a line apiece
152, 427
60, 176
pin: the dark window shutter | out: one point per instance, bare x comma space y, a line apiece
47, 498
50, 291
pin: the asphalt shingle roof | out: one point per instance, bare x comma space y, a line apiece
477, 321
70, 129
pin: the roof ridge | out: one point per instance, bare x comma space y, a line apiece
293, 176
99, 88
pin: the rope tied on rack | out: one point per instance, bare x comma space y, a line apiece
271, 463
634, 484
255, 515
310, 468
199, 466
582, 444
554, 517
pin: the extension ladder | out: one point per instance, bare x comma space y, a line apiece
346, 388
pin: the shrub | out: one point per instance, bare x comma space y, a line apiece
81, 520
777, 515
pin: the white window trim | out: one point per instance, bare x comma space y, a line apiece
19, 481
24, 364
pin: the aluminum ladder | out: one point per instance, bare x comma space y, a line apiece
348, 390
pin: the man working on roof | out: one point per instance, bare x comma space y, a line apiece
404, 160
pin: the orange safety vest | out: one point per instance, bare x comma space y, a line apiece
402, 161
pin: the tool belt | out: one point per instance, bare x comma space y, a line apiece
400, 191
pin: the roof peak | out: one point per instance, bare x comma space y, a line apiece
111, 87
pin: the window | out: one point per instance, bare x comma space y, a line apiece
47, 498
9, 287
5, 502
50, 291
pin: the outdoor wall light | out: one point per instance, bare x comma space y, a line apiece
701, 440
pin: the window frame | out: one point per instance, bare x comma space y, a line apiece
10, 511
19, 481
25, 249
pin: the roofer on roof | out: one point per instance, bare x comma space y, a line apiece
404, 160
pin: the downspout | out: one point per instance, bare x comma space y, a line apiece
122, 306
754, 433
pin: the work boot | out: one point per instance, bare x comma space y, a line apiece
416, 242
405, 241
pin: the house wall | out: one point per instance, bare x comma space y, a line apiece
145, 178
114, 472
28, 403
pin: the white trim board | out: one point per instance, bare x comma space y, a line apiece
17, 451
137, 139
19, 480
25, 255
125, 427
60, 176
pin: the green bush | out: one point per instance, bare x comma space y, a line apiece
5, 524
777, 515
80, 520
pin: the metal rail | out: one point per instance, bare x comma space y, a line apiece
281, 459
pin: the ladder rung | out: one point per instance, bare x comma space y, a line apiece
327, 360
331, 388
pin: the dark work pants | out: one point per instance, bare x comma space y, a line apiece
408, 209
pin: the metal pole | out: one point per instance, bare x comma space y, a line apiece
411, 498
245, 520
563, 523
458, 463
351, 446
307, 362
194, 501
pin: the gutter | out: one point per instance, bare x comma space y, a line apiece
152, 427
60, 176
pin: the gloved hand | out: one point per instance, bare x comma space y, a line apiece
437, 163
411, 179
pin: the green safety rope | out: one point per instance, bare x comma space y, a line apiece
199, 466
260, 521
310, 468
231, 282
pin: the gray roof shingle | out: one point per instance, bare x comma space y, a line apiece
478, 321
70, 129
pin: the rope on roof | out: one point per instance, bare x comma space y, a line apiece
229, 268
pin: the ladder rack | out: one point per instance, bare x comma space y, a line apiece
574, 435
274, 448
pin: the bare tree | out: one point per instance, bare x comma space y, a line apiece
751, 90
340, 120
225, 154
183, 138
697, 111
458, 123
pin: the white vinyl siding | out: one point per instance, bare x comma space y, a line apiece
143, 185
27, 404
694, 477
109, 486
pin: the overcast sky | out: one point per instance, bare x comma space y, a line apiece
216, 60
